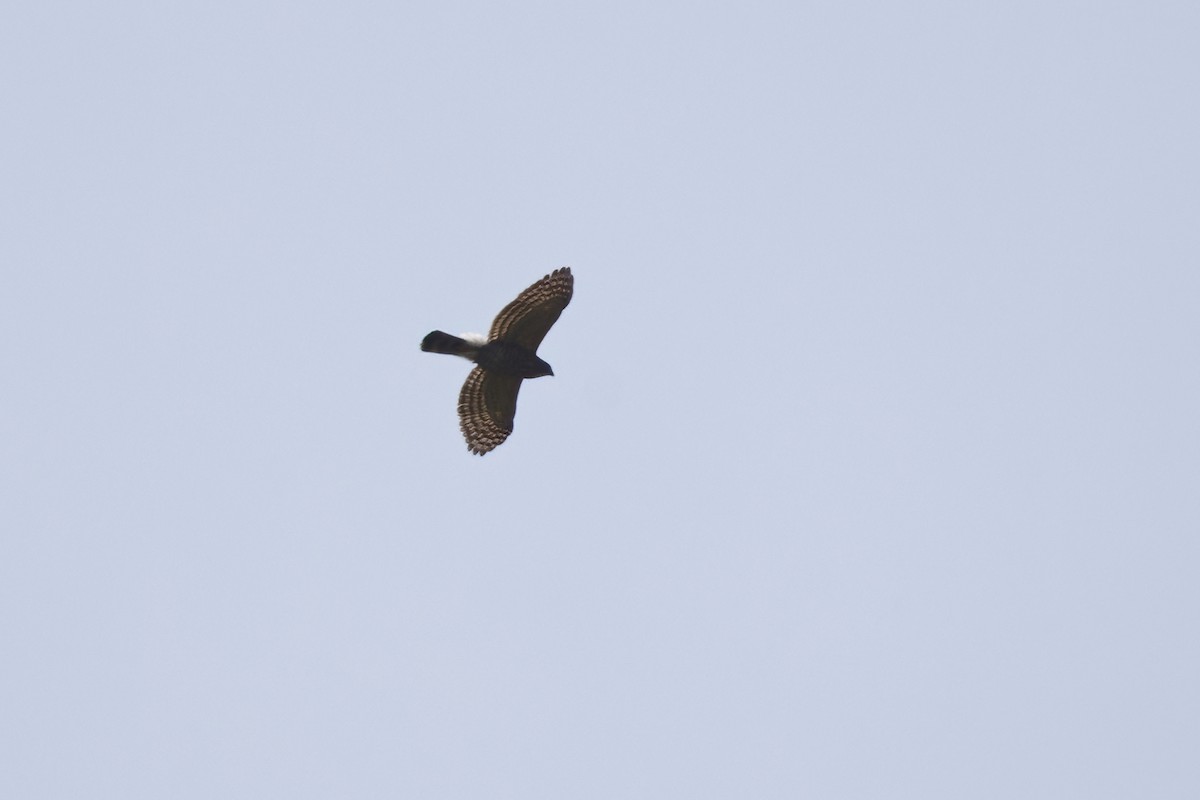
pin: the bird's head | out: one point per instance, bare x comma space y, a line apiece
539, 368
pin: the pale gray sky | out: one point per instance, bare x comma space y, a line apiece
870, 468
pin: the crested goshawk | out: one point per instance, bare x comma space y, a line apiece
488, 400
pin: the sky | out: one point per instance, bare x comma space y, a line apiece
869, 468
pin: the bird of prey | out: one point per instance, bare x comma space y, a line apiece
488, 400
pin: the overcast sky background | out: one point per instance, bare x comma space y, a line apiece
871, 466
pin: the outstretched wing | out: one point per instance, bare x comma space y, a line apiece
525, 320
486, 407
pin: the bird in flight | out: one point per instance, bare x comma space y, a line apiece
488, 400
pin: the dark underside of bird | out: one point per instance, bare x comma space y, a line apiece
503, 357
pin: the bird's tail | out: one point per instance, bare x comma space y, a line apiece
438, 342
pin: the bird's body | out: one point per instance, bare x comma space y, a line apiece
502, 357
488, 400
